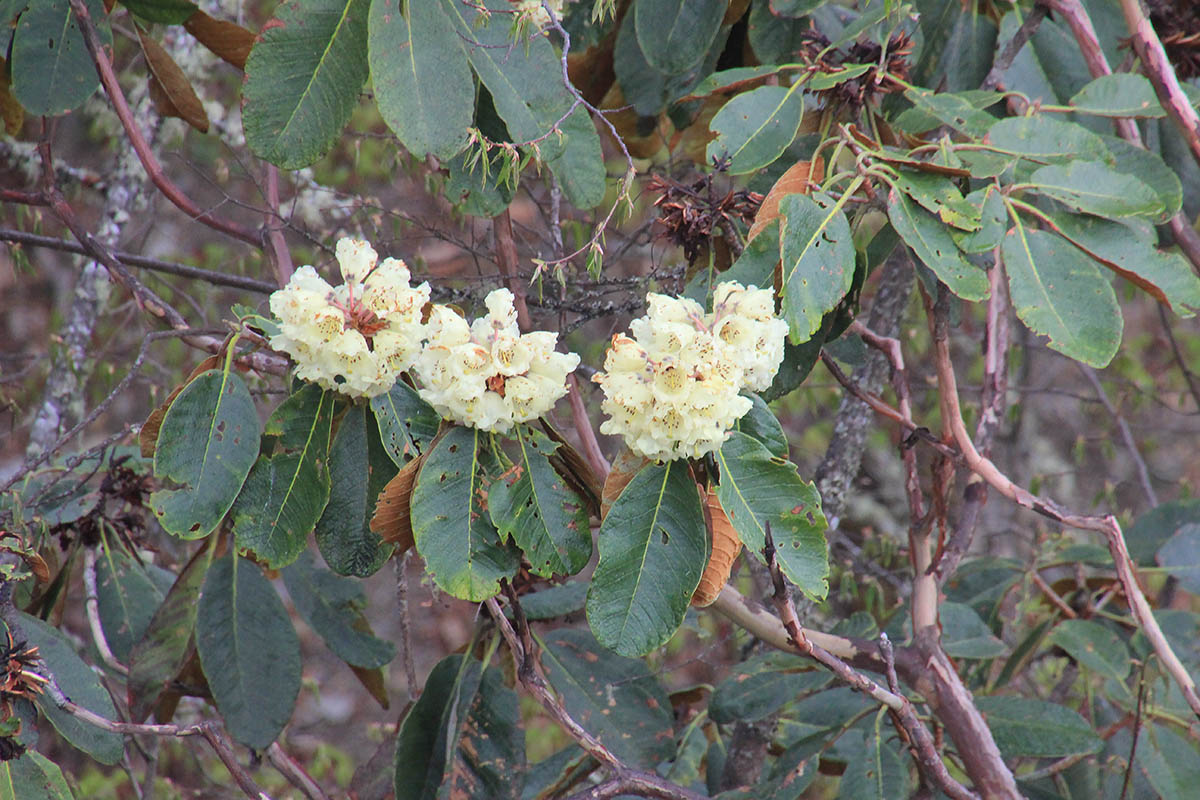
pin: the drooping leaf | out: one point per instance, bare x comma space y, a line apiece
77, 682
1026, 726
148, 435
226, 40
1130, 251
32, 776
303, 78
127, 599
932, 242
757, 488
170, 87
817, 261
1094, 646
169, 12
422, 80
939, 196
334, 607
462, 738
359, 468
724, 546
1121, 94
161, 653
285, 493
452, 530
676, 34
1095, 188
800, 178
652, 552
616, 699
392, 519
993, 217
762, 685
755, 127
1060, 293
249, 651
534, 506
207, 444
51, 70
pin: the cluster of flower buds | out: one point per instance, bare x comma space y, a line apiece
356, 337
488, 374
673, 390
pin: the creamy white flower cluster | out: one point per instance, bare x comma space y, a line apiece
672, 391
488, 374
356, 337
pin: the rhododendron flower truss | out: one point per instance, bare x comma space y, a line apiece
673, 389
487, 374
356, 337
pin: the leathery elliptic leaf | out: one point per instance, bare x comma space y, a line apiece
653, 549
817, 261
207, 445
452, 530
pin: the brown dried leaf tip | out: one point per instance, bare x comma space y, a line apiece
391, 520
726, 544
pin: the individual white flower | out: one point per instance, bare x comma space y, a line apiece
488, 374
673, 390
356, 337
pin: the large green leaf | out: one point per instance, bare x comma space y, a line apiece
249, 651
406, 422
1060, 293
127, 598
965, 635
303, 78
1121, 94
933, 243
359, 468
334, 607
452, 531
1180, 556
1130, 250
77, 682
32, 777
530, 97
164, 648
939, 195
653, 548
757, 488
754, 128
462, 738
616, 699
207, 444
52, 72
1096, 188
1046, 139
818, 261
676, 34
1094, 646
285, 493
545, 517
1025, 726
761, 424
1150, 169
881, 771
1168, 762
422, 80
762, 685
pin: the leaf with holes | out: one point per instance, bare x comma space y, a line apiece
407, 424
359, 469
452, 530
533, 505
462, 738
754, 128
249, 651
303, 78
617, 699
51, 69
932, 242
422, 80
653, 549
286, 493
1060, 293
818, 261
757, 489
207, 445
333, 606
938, 195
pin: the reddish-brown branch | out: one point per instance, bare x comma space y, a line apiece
506, 259
108, 79
1051, 595
280, 255
583, 426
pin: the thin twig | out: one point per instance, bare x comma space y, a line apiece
403, 619
1126, 434
92, 604
295, 774
1051, 595
280, 255
1013, 47
506, 259
1189, 376
583, 426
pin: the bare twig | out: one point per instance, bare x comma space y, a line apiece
108, 78
402, 618
506, 259
1189, 376
1013, 48
1126, 434
1051, 595
92, 605
280, 255
583, 426
295, 774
